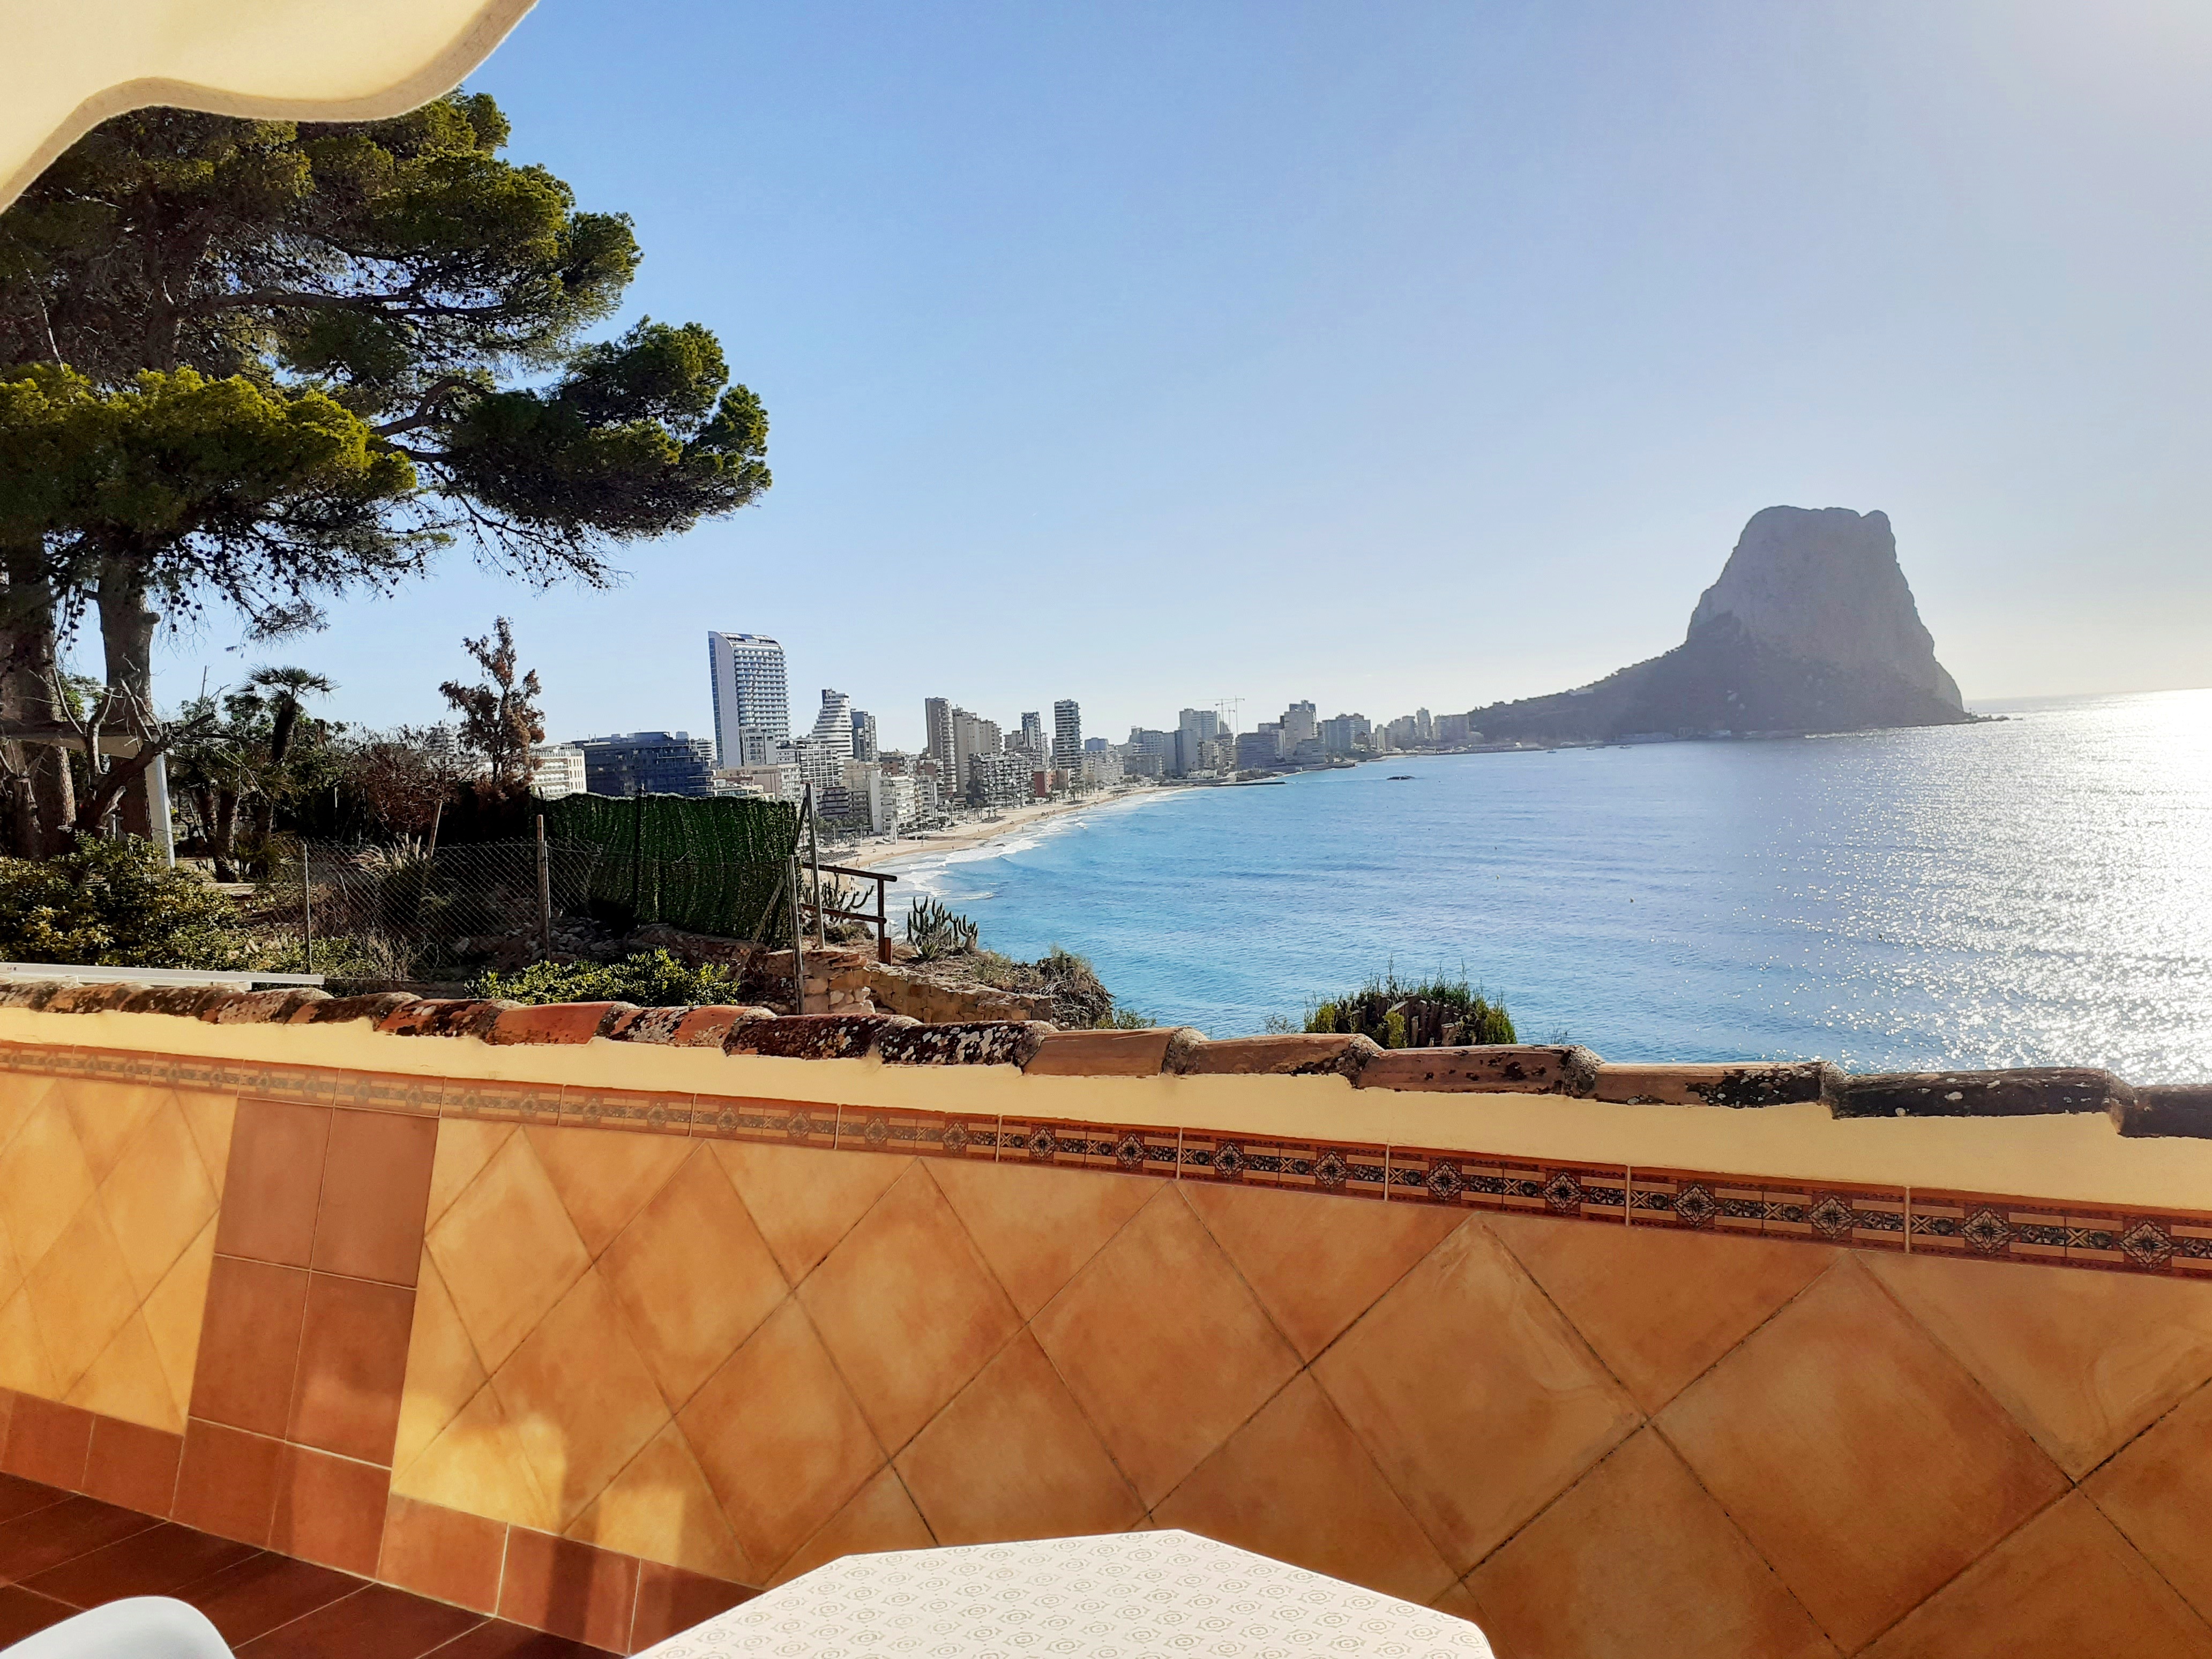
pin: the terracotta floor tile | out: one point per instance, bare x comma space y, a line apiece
275, 1181
686, 1317
1313, 1294
495, 1638
1637, 1559
1164, 1346
1476, 1399
605, 1177
802, 1200
1859, 1459
30, 1544
1659, 1306
506, 1251
154, 1562
569, 1589
1293, 1464
907, 1308
352, 1364
263, 1592
374, 1622
2159, 1492
782, 1442
2065, 1583
1036, 1227
376, 1185
670, 1600
1013, 1456
23, 1614
2083, 1361
21, 1497
579, 1397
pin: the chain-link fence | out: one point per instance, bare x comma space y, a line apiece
405, 913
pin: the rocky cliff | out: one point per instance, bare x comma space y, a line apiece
1811, 628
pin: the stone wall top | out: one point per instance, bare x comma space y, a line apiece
1038, 1049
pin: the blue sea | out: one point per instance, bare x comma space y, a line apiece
2033, 891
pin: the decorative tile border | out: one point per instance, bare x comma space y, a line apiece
1930, 1221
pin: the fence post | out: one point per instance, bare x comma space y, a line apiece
306, 908
883, 923
798, 943
545, 896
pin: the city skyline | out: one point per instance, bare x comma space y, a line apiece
1360, 332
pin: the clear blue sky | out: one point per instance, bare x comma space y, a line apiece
1150, 354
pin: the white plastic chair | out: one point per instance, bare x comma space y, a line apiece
143, 1627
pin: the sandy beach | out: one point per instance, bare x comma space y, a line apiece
975, 832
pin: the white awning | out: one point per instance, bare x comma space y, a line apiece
72, 63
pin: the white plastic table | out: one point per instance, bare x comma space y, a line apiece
1131, 1596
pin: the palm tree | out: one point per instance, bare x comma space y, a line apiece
283, 691
286, 688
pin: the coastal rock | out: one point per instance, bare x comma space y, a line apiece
1811, 627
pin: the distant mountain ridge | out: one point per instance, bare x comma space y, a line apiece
1811, 628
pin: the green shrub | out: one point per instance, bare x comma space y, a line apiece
114, 903
651, 979
1437, 1012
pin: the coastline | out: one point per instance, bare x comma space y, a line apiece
883, 850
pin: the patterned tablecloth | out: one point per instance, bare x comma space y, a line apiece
1128, 1596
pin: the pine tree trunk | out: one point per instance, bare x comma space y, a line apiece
223, 834
43, 803
126, 637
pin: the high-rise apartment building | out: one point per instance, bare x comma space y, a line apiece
753, 700
833, 727
936, 726
864, 747
1033, 734
648, 763
1067, 735
1300, 722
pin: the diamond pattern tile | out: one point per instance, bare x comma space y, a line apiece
2066, 1582
507, 1250
108, 1212
1901, 1469
783, 1444
2084, 1361
579, 1397
1478, 1443
907, 1307
687, 1316
1163, 1392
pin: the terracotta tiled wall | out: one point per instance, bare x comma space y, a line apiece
108, 1194
599, 1379
745, 1360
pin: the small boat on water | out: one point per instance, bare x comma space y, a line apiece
1399, 777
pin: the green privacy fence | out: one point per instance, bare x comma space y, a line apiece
713, 865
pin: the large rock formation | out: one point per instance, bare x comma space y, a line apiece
1811, 628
